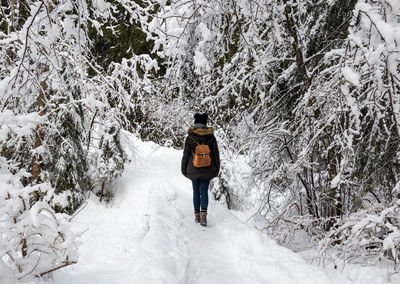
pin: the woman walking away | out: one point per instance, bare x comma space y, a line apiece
200, 163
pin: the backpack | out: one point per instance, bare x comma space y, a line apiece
201, 155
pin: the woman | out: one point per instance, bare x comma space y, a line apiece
200, 175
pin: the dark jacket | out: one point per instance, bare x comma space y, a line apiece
206, 136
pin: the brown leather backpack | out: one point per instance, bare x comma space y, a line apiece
201, 155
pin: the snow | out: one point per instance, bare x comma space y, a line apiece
148, 235
336, 180
351, 273
205, 32
19, 124
384, 29
6, 274
351, 76
201, 62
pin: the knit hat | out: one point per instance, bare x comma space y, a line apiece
200, 118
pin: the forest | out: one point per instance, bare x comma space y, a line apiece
305, 93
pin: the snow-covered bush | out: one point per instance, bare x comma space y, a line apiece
34, 240
232, 187
372, 232
293, 230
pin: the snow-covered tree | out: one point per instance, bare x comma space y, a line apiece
345, 144
34, 239
350, 114
50, 69
44, 77
371, 75
108, 161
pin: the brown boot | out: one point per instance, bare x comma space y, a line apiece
197, 217
203, 218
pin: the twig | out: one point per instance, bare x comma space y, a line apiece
58, 267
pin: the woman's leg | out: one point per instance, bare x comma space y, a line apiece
196, 195
203, 189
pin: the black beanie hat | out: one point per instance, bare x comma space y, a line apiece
200, 118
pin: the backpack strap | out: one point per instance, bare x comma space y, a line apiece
193, 140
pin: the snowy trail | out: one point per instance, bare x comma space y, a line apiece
148, 235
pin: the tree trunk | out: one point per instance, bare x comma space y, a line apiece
296, 45
102, 190
334, 191
90, 129
334, 197
36, 160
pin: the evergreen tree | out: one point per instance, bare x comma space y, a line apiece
109, 160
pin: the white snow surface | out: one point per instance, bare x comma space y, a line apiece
6, 274
148, 235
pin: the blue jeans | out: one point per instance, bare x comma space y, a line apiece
200, 194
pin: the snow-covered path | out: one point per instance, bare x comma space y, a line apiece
148, 235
